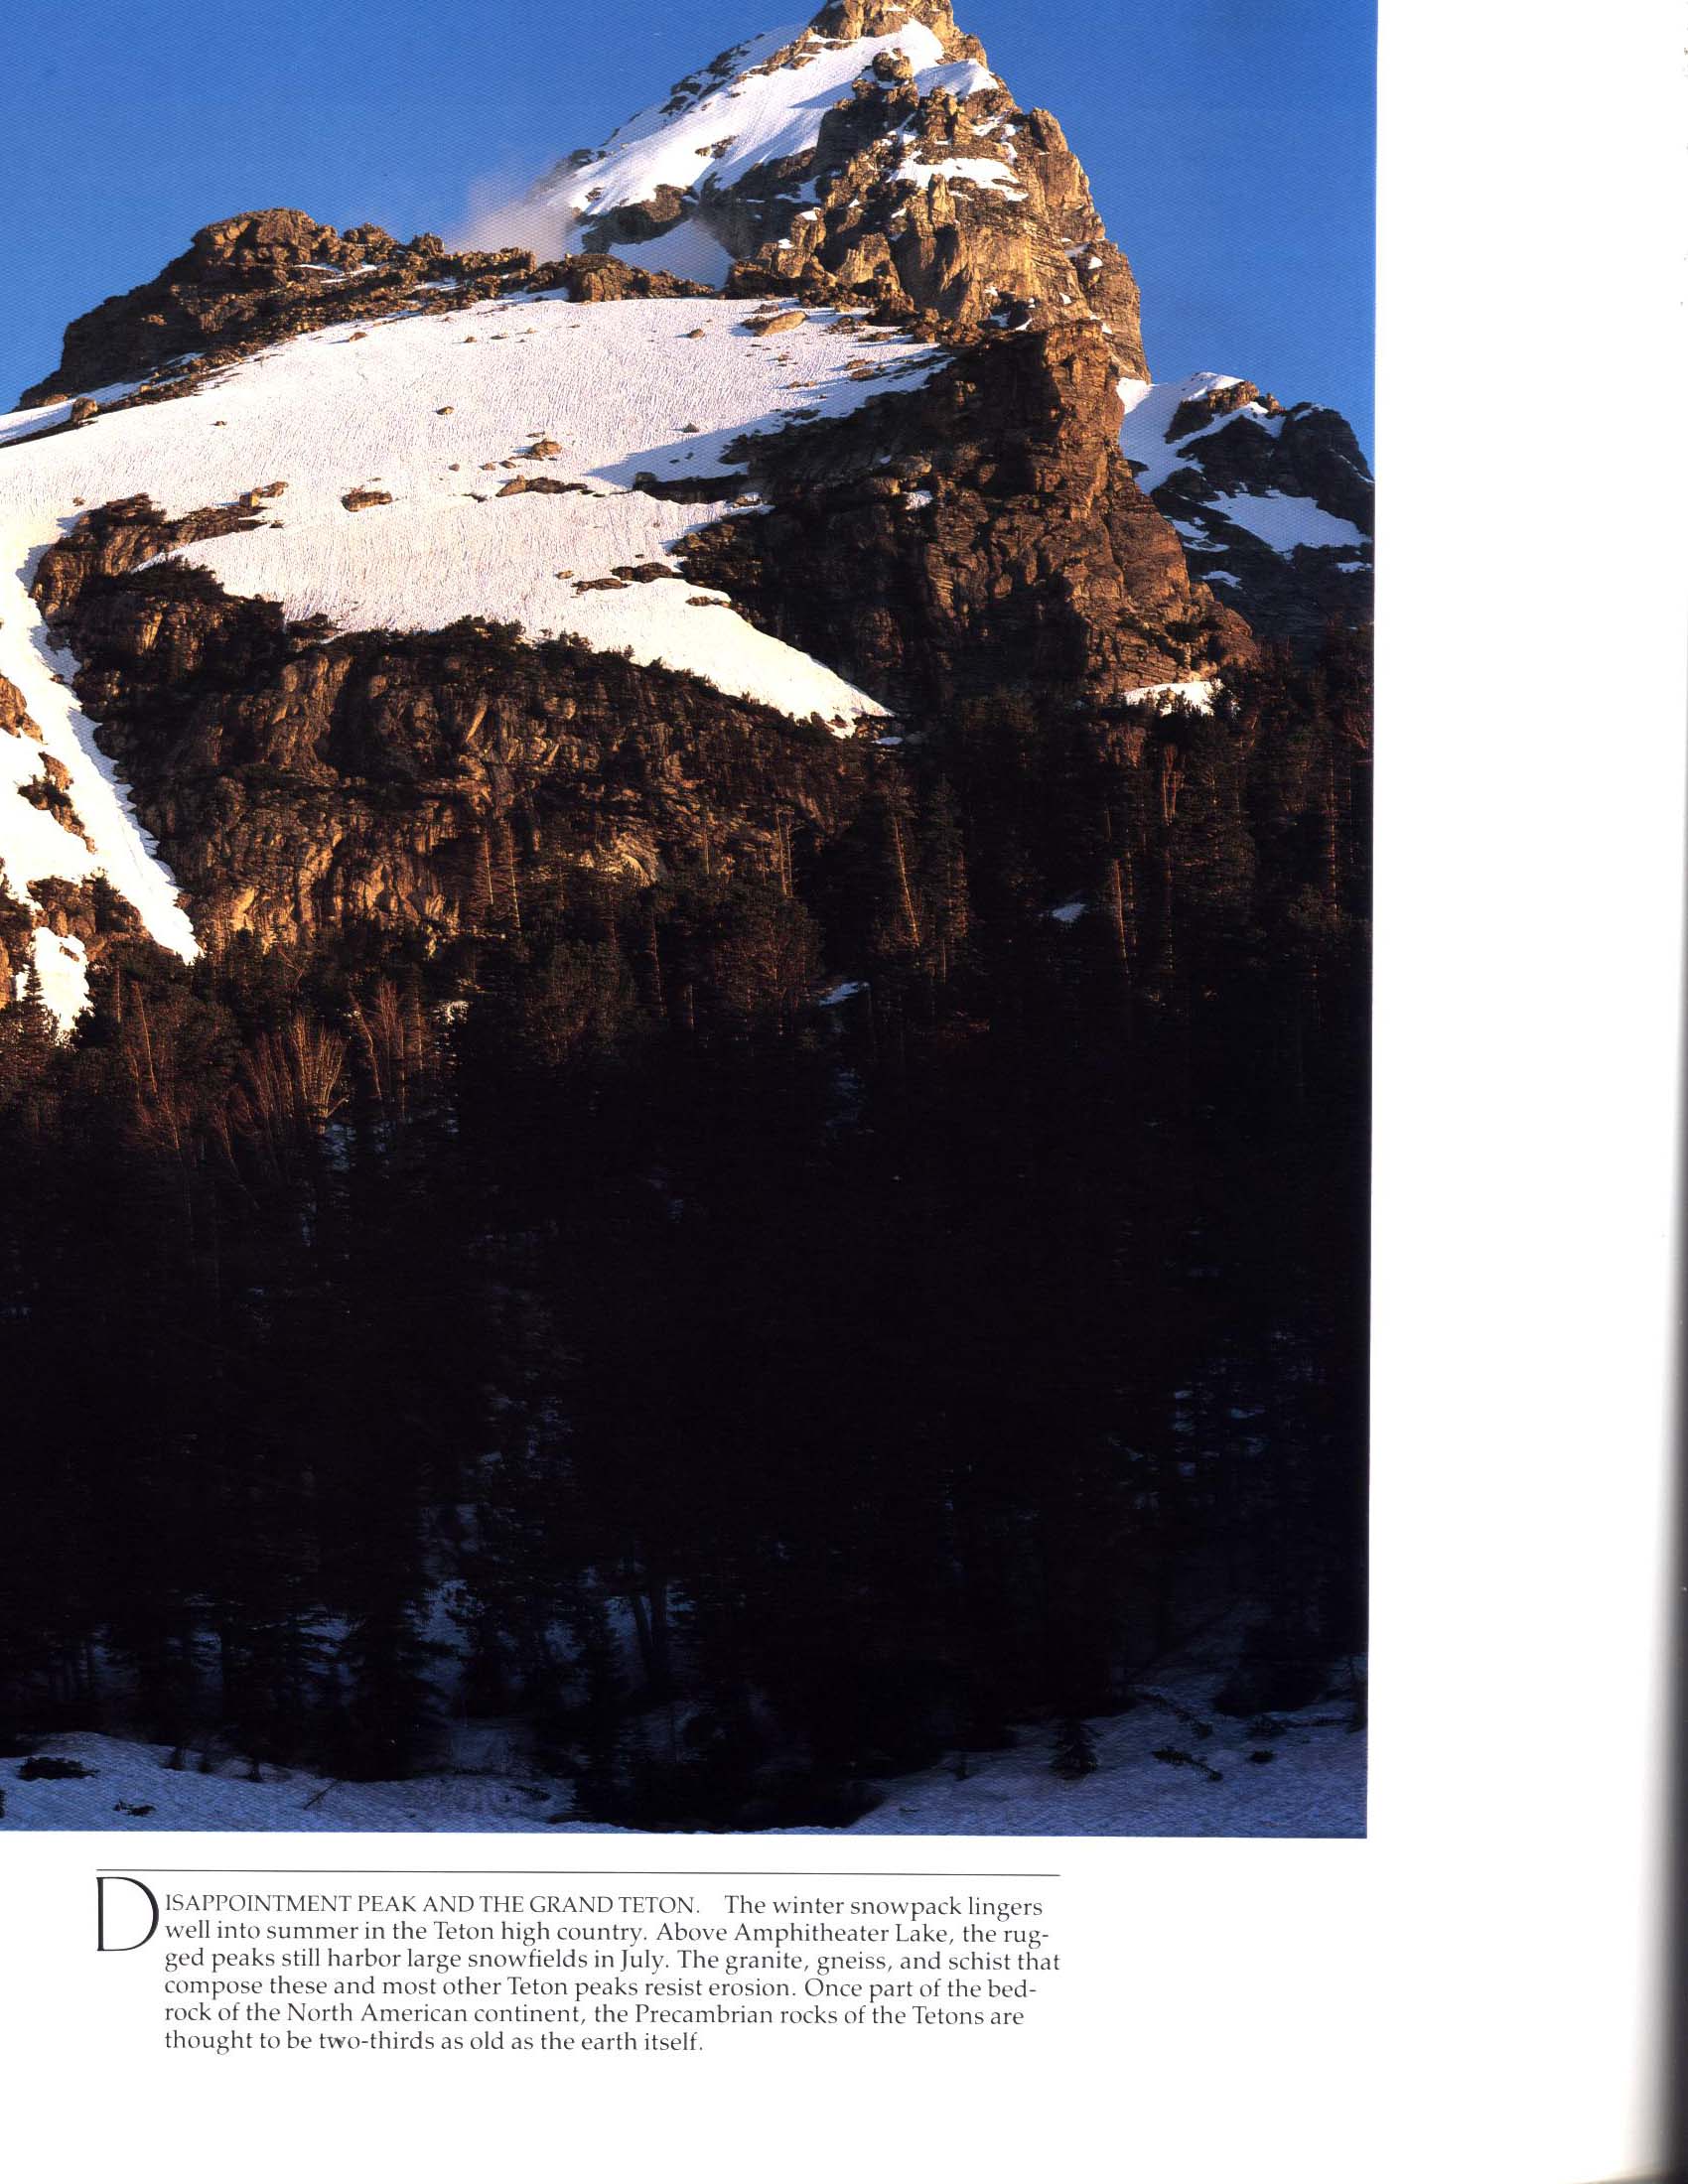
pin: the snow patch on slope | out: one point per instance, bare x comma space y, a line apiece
35, 845
988, 173
49, 416
1287, 520
1198, 694
60, 968
688, 251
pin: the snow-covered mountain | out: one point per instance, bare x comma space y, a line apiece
684, 897
814, 401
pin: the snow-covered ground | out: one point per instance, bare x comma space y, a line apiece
400, 408
1313, 1785
986, 174
738, 117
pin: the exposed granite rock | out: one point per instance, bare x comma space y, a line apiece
1201, 410
983, 534
88, 911
113, 539
295, 781
880, 18
48, 791
521, 483
14, 714
596, 278
901, 216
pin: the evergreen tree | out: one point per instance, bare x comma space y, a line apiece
1074, 1752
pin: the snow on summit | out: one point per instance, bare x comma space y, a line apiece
758, 103
434, 418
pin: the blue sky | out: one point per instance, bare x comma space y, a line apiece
1229, 142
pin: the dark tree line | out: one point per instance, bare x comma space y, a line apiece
580, 1324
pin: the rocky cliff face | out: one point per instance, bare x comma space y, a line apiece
981, 536
298, 784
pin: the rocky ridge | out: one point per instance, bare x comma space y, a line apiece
259, 278
981, 535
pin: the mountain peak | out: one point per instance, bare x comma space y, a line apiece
874, 159
851, 19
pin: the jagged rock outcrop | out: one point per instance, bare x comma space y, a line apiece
1260, 447
263, 277
950, 241
85, 913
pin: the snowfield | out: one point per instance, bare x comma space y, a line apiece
1285, 520
1313, 1785
734, 121
399, 409
987, 174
